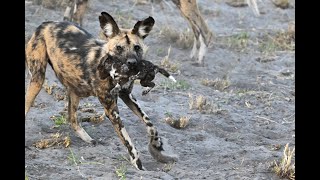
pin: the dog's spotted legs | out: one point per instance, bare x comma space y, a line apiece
155, 143
112, 112
132, 103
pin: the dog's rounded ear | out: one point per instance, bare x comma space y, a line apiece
108, 25
142, 28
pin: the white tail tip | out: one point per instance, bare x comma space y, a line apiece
172, 78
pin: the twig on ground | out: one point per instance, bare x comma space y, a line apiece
264, 118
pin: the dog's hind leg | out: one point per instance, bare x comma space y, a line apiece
72, 112
194, 48
202, 34
75, 11
36, 60
202, 50
155, 143
33, 90
112, 112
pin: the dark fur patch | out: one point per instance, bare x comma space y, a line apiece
149, 124
139, 164
129, 147
127, 39
72, 40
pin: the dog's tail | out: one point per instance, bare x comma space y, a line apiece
166, 74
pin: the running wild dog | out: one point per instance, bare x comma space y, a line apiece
78, 61
203, 36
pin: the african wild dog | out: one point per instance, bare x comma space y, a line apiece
78, 61
143, 70
188, 9
202, 34
75, 11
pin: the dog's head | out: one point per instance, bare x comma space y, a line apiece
126, 44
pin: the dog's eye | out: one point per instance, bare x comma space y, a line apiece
137, 47
119, 48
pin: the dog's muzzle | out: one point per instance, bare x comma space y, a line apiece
133, 60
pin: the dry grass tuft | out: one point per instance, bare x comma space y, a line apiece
48, 88
203, 105
167, 167
237, 3
57, 92
179, 85
282, 41
167, 64
286, 168
95, 119
218, 84
180, 123
170, 66
237, 42
141, 2
49, 4
283, 4
55, 140
182, 39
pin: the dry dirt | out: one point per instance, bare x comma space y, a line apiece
242, 127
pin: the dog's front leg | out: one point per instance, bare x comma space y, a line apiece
155, 143
112, 112
76, 126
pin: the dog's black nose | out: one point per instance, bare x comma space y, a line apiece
132, 62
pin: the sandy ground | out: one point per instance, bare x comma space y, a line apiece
241, 129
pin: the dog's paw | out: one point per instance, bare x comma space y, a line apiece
145, 92
93, 142
160, 156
